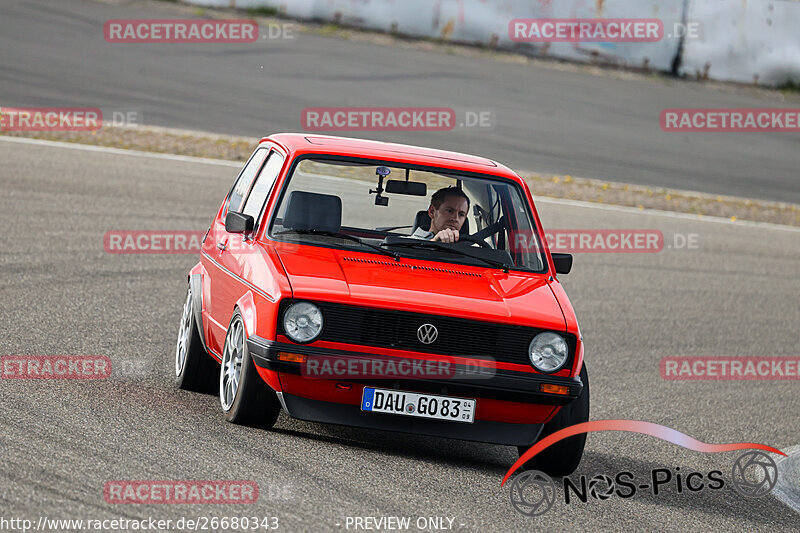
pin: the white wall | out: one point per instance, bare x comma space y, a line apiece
740, 38
744, 39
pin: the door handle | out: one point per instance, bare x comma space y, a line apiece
221, 246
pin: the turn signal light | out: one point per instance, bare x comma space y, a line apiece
291, 357
554, 389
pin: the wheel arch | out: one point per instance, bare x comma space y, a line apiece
247, 308
195, 279
246, 305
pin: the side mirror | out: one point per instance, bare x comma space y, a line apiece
239, 223
563, 263
413, 188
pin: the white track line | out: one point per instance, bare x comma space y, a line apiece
120, 151
787, 489
538, 199
671, 214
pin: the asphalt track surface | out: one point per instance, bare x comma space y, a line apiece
545, 120
62, 440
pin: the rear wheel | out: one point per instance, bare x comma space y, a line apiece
195, 370
243, 395
563, 457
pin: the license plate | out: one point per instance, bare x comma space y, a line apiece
399, 402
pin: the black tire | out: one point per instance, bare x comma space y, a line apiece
563, 457
254, 402
196, 371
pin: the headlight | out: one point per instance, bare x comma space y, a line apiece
548, 352
302, 322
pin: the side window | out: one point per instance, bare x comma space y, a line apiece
239, 190
260, 191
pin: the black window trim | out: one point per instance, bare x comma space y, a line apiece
261, 210
239, 176
423, 168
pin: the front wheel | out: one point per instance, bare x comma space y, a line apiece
243, 395
563, 457
195, 370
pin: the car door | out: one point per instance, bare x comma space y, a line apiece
216, 312
241, 254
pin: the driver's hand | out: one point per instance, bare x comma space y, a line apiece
446, 235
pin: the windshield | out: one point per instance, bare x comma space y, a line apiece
408, 213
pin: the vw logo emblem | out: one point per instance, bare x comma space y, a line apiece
427, 333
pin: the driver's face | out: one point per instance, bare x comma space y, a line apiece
451, 214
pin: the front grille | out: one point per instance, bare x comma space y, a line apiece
398, 329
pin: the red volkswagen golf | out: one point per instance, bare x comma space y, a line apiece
390, 287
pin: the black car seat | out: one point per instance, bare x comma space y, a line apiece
312, 211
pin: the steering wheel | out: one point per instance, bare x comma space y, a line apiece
474, 240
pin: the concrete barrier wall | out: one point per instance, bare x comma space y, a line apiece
739, 40
746, 41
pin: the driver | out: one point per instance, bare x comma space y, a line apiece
448, 211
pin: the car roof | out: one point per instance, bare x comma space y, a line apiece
301, 143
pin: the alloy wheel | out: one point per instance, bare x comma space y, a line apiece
231, 371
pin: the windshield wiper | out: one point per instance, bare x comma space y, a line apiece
393, 255
444, 247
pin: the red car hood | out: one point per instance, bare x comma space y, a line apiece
371, 280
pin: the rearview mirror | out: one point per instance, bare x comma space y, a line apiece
238, 222
413, 188
563, 263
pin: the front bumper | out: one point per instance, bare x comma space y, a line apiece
352, 415
508, 385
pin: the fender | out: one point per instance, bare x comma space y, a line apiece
571, 322
247, 307
578, 359
196, 275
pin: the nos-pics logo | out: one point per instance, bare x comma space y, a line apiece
533, 493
